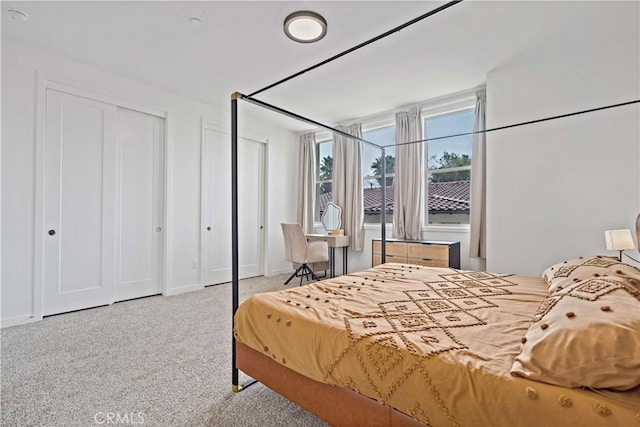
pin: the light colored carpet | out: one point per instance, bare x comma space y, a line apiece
165, 359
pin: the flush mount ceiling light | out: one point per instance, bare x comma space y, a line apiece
305, 27
17, 15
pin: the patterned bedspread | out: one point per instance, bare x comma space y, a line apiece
434, 343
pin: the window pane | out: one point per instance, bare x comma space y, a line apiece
372, 196
324, 160
372, 173
324, 176
448, 201
323, 196
449, 152
448, 191
463, 175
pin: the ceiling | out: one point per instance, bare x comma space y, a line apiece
240, 46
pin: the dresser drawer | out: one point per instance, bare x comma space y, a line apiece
428, 252
429, 262
393, 248
396, 258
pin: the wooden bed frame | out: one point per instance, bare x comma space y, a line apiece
335, 405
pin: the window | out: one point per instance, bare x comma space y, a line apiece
447, 164
448, 167
324, 176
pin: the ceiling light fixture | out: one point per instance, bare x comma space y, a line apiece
17, 15
305, 26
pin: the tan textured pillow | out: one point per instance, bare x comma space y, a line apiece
563, 274
587, 334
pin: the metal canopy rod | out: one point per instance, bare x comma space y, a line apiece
361, 45
305, 119
235, 300
383, 216
561, 116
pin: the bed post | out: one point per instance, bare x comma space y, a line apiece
234, 235
383, 212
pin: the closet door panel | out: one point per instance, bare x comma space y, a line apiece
217, 201
140, 225
79, 199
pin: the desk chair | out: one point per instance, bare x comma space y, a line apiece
302, 253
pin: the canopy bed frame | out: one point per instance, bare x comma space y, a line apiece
338, 406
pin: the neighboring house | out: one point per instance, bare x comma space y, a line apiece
448, 202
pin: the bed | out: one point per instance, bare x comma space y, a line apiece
409, 345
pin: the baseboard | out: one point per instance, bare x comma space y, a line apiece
17, 320
183, 289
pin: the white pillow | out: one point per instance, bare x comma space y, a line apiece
586, 334
563, 274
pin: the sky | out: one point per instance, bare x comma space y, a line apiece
446, 125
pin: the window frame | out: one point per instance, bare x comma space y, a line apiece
434, 113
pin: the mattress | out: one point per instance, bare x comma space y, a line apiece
437, 344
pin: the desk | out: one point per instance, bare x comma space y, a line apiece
333, 242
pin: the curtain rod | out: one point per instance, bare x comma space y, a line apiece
287, 113
361, 45
591, 110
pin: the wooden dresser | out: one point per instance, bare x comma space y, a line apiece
423, 252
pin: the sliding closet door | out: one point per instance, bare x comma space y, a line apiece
217, 206
79, 202
251, 172
139, 206
103, 203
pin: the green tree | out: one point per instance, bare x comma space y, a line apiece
326, 173
390, 167
450, 160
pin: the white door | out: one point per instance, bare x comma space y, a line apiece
251, 168
102, 203
217, 207
79, 202
140, 218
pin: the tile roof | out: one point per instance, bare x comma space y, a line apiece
444, 197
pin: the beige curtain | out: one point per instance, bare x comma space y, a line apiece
347, 183
478, 216
407, 219
306, 181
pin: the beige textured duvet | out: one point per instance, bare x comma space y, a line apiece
434, 343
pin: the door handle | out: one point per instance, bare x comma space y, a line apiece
261, 227
52, 232
158, 229
208, 228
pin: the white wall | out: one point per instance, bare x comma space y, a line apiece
20, 65
554, 187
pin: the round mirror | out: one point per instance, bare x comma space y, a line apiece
332, 217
